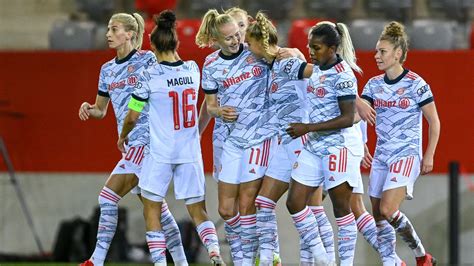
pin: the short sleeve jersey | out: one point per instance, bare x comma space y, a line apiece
117, 81
398, 105
240, 81
327, 86
286, 96
171, 91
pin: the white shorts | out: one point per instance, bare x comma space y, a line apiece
216, 160
283, 159
245, 165
188, 178
402, 173
131, 163
330, 170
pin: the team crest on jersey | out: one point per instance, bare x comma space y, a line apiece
250, 60
274, 87
257, 71
401, 91
404, 103
320, 92
130, 69
132, 80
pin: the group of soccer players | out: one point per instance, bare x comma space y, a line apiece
281, 124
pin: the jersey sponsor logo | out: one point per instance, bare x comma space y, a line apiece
235, 80
274, 87
288, 66
404, 103
422, 90
180, 81
383, 103
116, 85
345, 85
400, 91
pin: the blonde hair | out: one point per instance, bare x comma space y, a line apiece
337, 35
236, 10
133, 23
263, 30
394, 32
209, 28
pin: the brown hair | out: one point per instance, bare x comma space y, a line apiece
164, 36
394, 32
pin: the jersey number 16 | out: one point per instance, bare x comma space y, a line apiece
188, 109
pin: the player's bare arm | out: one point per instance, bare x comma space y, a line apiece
204, 118
346, 119
431, 115
128, 124
365, 111
227, 113
98, 110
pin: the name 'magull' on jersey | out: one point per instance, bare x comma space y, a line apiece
240, 81
327, 86
399, 119
117, 81
171, 90
287, 96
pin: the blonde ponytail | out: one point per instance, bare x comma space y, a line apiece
209, 28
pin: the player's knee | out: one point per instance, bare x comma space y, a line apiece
386, 211
226, 212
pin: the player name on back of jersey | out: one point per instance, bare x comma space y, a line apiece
180, 81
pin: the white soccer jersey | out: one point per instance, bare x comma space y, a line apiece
117, 81
240, 81
171, 90
398, 105
327, 86
287, 96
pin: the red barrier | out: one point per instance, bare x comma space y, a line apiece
40, 93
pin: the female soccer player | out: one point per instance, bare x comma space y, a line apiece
170, 88
399, 97
116, 81
333, 151
235, 85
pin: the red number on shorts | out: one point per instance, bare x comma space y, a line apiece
338, 165
403, 165
332, 162
297, 153
189, 109
255, 151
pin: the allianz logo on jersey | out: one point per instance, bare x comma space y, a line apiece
131, 81
402, 103
256, 72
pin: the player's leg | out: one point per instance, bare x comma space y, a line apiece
307, 175
325, 228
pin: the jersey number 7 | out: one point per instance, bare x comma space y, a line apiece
188, 109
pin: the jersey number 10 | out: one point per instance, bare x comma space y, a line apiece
189, 109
